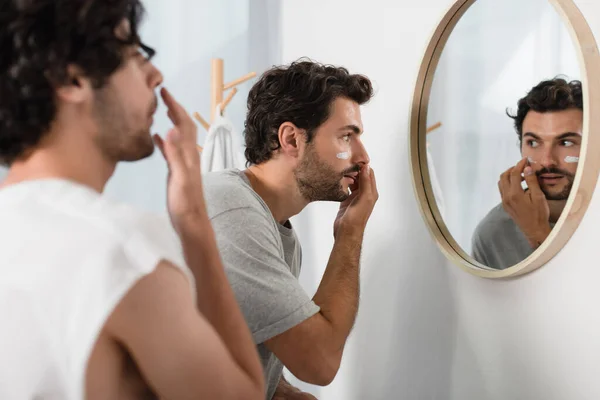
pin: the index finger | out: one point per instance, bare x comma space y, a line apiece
515, 176
504, 182
367, 183
532, 182
517, 171
364, 179
176, 111
373, 183
184, 123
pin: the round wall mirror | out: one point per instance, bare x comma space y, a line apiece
502, 161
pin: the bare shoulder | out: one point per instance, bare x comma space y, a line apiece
157, 332
163, 293
111, 371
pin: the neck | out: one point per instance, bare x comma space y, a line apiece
66, 156
276, 185
556, 208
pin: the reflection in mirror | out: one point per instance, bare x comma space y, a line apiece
507, 104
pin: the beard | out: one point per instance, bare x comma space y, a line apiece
566, 190
318, 181
117, 138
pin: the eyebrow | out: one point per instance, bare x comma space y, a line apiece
352, 128
560, 137
569, 135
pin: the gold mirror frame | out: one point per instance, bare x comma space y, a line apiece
589, 162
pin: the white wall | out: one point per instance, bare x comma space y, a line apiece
427, 330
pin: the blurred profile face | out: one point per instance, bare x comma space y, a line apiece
123, 109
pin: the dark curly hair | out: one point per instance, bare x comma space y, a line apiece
551, 95
300, 93
39, 39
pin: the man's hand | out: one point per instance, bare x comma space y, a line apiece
355, 211
185, 198
528, 209
285, 391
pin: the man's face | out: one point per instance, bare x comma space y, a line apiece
553, 141
124, 107
331, 161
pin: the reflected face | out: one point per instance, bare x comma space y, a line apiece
331, 161
553, 141
124, 107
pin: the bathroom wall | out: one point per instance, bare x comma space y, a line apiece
426, 329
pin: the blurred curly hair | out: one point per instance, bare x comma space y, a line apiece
39, 39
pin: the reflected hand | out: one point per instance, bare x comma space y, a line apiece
355, 211
528, 209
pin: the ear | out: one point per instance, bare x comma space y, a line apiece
291, 139
77, 88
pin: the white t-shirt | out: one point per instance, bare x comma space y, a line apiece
68, 256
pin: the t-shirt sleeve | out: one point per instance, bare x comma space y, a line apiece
478, 246
155, 240
269, 295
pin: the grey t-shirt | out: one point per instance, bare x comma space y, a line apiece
262, 260
498, 242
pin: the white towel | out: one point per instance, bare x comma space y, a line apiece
222, 149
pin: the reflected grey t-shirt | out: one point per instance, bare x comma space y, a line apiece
262, 260
498, 242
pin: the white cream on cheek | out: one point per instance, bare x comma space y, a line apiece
568, 159
571, 159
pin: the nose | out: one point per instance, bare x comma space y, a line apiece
155, 77
359, 153
548, 157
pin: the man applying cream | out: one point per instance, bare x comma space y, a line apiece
549, 123
303, 144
